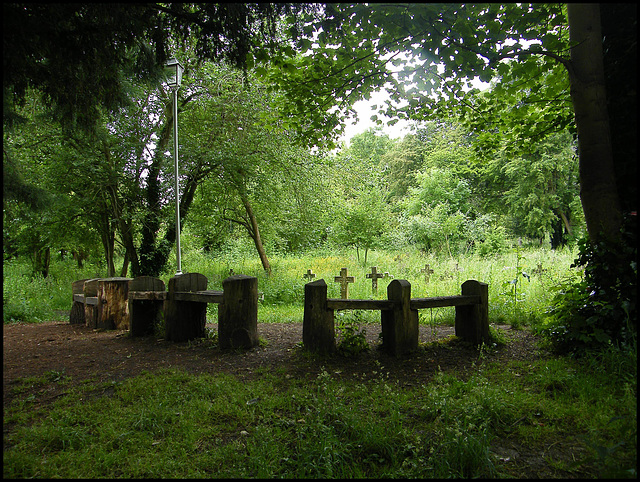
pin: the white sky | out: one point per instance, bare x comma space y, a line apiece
364, 110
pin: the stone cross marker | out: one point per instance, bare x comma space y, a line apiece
309, 275
344, 281
427, 272
374, 275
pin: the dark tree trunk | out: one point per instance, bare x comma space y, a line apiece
598, 191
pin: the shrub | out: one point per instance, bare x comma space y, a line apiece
599, 309
352, 338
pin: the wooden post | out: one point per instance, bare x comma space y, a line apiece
344, 281
374, 275
472, 321
113, 306
90, 291
76, 315
427, 272
145, 315
318, 328
399, 324
238, 313
185, 320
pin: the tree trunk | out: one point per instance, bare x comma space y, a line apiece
254, 232
598, 192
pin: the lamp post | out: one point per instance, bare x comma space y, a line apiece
174, 69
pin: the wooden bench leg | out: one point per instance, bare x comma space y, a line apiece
400, 324
318, 326
185, 320
472, 321
238, 313
76, 315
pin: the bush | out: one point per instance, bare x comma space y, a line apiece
599, 309
352, 338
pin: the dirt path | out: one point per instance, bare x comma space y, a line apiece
83, 353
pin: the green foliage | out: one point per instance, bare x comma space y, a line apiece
351, 334
600, 308
581, 416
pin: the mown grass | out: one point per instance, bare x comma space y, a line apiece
565, 419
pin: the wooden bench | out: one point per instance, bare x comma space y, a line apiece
399, 315
84, 308
100, 303
146, 297
184, 306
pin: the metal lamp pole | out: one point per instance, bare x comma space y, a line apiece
174, 82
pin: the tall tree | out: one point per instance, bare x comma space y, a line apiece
520, 46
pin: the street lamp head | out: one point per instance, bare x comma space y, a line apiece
174, 72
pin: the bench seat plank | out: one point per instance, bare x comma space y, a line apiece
148, 295
205, 296
440, 301
342, 304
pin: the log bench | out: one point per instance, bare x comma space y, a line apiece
184, 307
399, 315
100, 303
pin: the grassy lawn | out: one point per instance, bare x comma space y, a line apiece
552, 418
556, 417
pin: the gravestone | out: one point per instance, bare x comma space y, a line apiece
344, 281
309, 275
374, 275
427, 272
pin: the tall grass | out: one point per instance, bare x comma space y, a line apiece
33, 299
284, 289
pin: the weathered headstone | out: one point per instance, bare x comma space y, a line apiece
309, 275
427, 272
374, 276
344, 281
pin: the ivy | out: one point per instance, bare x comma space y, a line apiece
600, 308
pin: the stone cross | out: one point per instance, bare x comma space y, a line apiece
309, 275
387, 275
427, 272
344, 281
374, 275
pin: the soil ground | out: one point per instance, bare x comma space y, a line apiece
83, 353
